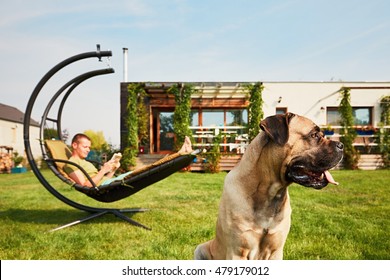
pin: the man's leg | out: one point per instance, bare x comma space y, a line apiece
187, 146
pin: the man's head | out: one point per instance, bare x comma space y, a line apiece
81, 145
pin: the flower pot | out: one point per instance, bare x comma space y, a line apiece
328, 132
19, 170
365, 132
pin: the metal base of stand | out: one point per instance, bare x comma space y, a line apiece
117, 212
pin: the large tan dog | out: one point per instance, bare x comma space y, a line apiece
254, 213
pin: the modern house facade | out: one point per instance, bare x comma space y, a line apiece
221, 107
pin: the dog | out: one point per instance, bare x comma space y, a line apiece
254, 214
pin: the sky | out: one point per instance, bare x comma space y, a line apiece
184, 40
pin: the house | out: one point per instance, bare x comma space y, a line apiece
11, 131
221, 107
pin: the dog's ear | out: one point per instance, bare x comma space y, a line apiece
276, 127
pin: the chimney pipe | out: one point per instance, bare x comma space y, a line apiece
125, 53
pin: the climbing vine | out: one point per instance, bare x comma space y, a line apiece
136, 122
181, 116
383, 137
385, 110
255, 108
142, 117
351, 155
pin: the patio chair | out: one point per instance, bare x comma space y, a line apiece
55, 153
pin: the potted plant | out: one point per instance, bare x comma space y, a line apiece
18, 168
17, 160
365, 130
328, 131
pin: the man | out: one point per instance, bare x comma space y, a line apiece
81, 146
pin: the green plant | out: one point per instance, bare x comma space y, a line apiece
351, 155
329, 128
50, 133
385, 110
255, 108
98, 141
142, 116
383, 135
130, 151
213, 157
17, 159
181, 118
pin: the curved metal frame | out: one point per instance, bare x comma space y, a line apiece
71, 85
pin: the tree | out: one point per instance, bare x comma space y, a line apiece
99, 143
52, 133
99, 146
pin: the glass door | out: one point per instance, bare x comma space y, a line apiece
163, 136
166, 133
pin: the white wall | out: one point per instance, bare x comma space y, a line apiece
306, 98
11, 134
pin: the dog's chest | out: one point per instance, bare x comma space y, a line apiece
270, 214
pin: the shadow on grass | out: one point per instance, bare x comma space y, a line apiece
55, 216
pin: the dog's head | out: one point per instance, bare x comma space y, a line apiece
308, 155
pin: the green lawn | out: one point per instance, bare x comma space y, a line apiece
349, 221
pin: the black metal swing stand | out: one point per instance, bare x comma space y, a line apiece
116, 212
114, 191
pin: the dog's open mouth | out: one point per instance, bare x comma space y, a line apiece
310, 178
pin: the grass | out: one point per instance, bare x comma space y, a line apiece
350, 221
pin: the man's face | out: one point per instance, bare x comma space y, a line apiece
82, 147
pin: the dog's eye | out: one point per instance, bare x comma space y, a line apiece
316, 135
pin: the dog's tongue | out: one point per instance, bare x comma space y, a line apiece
329, 177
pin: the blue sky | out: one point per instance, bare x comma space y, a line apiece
179, 40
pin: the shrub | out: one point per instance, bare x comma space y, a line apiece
213, 157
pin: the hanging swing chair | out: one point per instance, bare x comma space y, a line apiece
56, 153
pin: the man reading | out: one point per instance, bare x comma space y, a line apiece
81, 146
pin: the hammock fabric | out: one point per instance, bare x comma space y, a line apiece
116, 190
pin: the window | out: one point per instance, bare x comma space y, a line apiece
213, 118
230, 123
362, 115
236, 117
281, 110
332, 116
166, 131
219, 117
194, 118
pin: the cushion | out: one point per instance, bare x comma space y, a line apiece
58, 150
